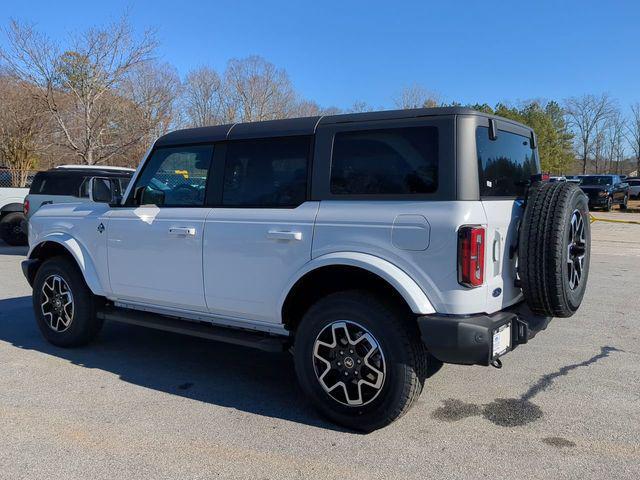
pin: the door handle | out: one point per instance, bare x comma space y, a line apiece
182, 231
496, 249
284, 235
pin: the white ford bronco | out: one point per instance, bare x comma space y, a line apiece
372, 245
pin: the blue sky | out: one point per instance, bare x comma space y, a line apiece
337, 52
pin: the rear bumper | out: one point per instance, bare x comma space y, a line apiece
468, 339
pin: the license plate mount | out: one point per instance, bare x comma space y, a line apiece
501, 340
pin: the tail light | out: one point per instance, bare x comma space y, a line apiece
471, 256
25, 208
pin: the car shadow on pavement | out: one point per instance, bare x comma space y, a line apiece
9, 250
226, 375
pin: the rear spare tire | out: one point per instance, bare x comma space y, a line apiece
554, 248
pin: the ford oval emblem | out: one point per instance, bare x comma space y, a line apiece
497, 292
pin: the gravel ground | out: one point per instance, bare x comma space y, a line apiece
146, 404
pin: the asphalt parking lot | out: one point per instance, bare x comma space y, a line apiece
147, 404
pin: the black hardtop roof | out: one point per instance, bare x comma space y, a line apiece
93, 172
304, 125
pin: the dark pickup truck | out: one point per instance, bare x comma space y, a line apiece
605, 191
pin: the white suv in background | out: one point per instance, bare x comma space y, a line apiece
634, 188
371, 245
70, 184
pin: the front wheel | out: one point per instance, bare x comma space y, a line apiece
360, 361
63, 304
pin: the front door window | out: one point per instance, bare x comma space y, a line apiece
174, 177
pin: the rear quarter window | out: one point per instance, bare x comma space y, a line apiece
385, 161
505, 164
45, 183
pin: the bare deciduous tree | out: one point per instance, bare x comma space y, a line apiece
23, 127
615, 144
416, 96
360, 106
78, 86
204, 98
585, 115
257, 90
633, 133
153, 90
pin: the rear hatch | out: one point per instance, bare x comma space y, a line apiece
501, 254
506, 164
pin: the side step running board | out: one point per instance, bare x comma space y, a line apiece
245, 338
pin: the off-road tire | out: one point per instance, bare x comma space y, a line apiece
625, 203
84, 325
404, 354
11, 229
544, 249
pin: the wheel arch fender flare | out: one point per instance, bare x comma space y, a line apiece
12, 207
79, 253
415, 297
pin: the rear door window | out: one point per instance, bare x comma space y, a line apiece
505, 164
270, 172
385, 161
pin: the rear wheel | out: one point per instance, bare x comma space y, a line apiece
609, 204
360, 361
554, 249
63, 304
11, 229
625, 202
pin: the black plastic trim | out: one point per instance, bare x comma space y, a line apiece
261, 341
467, 339
29, 268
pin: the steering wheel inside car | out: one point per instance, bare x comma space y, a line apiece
185, 194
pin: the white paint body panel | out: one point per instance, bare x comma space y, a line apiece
36, 201
366, 227
235, 266
409, 289
249, 256
155, 255
75, 226
500, 258
12, 195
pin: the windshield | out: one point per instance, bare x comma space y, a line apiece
597, 180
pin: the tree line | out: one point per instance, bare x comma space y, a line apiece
103, 97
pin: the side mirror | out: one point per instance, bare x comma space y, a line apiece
148, 196
102, 190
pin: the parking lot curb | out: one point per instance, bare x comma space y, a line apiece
593, 219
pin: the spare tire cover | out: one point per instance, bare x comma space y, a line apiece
554, 248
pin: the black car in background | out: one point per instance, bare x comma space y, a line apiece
605, 191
